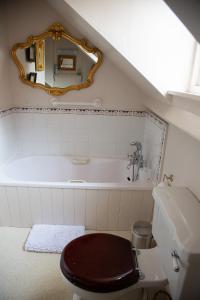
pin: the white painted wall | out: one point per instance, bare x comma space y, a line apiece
5, 94
182, 158
152, 38
115, 89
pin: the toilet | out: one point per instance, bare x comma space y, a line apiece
103, 266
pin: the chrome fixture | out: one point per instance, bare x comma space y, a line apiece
169, 179
175, 261
135, 160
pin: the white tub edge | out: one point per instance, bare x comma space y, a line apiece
86, 185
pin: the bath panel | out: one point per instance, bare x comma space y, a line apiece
96, 209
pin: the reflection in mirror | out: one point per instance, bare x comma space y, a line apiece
59, 61
67, 62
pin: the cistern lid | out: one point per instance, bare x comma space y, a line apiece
182, 210
99, 262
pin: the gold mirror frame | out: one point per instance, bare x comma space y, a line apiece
56, 32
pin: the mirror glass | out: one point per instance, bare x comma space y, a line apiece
56, 61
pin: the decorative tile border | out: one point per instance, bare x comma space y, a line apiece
162, 150
6, 112
163, 126
156, 120
108, 112
82, 111
41, 110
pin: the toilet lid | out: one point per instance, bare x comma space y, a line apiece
99, 262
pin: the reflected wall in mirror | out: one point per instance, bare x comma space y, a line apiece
60, 61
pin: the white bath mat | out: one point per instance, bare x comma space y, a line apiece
52, 238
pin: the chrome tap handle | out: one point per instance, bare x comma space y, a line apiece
138, 145
175, 261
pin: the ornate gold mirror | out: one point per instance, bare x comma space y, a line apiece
56, 62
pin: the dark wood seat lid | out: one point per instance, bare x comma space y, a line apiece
99, 262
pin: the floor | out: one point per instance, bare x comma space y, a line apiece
30, 276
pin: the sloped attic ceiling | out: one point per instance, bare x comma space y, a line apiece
72, 17
147, 34
170, 70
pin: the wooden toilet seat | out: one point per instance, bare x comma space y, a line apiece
99, 262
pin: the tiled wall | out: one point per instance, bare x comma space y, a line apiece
26, 131
96, 209
7, 139
71, 134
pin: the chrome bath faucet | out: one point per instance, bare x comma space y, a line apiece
135, 160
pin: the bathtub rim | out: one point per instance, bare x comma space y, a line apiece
140, 185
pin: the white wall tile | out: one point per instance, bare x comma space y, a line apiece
53, 134
86, 122
24, 120
88, 134
67, 148
103, 149
96, 135
81, 135
68, 121
54, 148
40, 120
81, 148
54, 121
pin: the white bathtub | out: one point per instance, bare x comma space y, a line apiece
62, 171
57, 190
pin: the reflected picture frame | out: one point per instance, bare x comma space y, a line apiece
39, 49
32, 77
67, 62
30, 54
